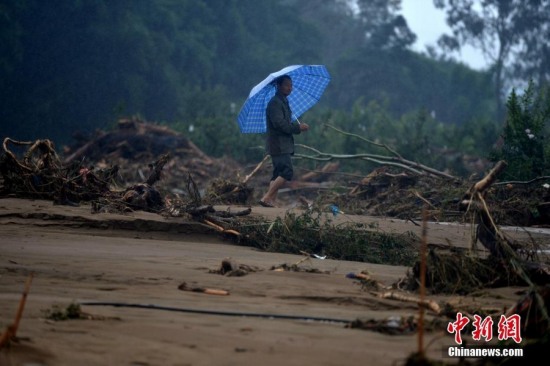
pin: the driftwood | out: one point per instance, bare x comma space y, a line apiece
510, 255
486, 231
204, 290
321, 174
430, 304
156, 169
256, 169
205, 213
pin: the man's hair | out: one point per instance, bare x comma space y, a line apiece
280, 79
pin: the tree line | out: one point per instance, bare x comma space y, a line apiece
69, 65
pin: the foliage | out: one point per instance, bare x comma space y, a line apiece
455, 93
313, 232
510, 33
80, 65
72, 311
523, 141
533, 58
383, 26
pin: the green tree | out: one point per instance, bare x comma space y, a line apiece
523, 143
533, 58
489, 26
384, 27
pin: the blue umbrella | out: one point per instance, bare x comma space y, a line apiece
308, 84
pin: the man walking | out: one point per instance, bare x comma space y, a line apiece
280, 139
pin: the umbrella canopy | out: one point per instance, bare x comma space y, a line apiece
308, 84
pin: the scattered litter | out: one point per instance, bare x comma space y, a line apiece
231, 268
366, 281
311, 255
335, 210
295, 268
71, 312
393, 325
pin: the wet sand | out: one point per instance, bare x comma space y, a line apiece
268, 318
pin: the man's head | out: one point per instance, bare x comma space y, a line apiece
284, 85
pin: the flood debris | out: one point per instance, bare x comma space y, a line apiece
229, 267
534, 310
39, 173
134, 167
135, 141
365, 279
205, 290
394, 295
285, 267
73, 311
313, 231
392, 325
507, 263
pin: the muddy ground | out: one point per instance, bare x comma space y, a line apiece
269, 317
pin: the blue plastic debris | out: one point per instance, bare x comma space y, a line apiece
335, 210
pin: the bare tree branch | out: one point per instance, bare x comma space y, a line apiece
396, 160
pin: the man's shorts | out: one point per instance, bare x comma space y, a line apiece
282, 166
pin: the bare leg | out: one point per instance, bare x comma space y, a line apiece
277, 191
274, 187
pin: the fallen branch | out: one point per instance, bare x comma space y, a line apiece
430, 304
490, 178
399, 162
379, 159
204, 290
487, 231
365, 139
156, 169
12, 155
247, 178
221, 228
415, 192
522, 182
411, 165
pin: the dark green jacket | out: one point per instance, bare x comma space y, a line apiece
280, 130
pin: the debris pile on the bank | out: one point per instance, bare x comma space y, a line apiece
116, 170
135, 144
508, 262
39, 173
403, 195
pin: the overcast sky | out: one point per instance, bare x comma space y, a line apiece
428, 23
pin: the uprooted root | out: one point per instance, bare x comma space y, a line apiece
224, 191
40, 174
